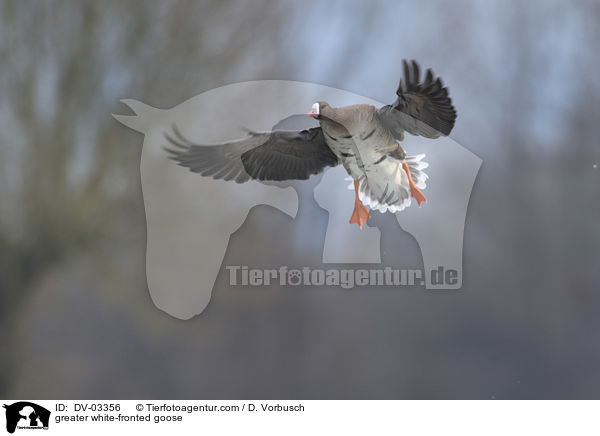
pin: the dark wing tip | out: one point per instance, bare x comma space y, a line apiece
412, 72
174, 154
427, 101
176, 142
415, 72
179, 146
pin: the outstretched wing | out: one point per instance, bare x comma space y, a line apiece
276, 155
423, 109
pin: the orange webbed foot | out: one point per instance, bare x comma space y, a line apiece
417, 194
360, 215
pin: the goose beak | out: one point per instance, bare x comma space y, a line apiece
314, 111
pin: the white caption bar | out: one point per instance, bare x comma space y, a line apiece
302, 417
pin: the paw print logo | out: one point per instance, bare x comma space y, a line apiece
294, 277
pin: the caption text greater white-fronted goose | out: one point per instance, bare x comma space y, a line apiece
364, 139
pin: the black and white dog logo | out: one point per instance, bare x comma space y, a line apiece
26, 415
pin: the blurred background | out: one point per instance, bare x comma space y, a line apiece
75, 311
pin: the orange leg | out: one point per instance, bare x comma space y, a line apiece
414, 191
361, 214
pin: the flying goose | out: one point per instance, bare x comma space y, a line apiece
364, 139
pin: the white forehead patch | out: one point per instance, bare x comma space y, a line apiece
315, 108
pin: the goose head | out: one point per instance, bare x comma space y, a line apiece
319, 109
